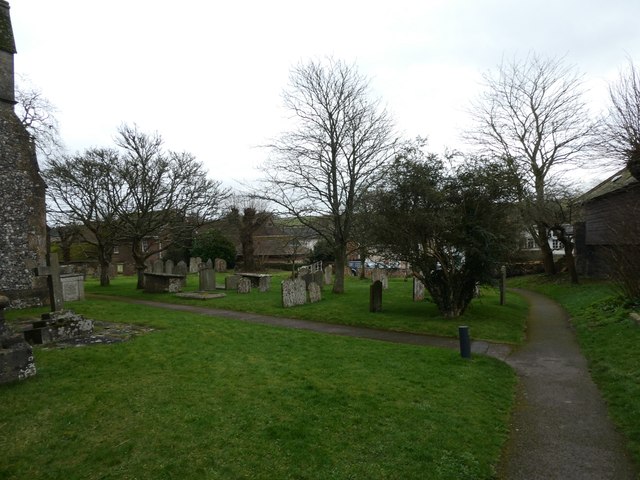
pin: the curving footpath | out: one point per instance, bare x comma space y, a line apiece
560, 428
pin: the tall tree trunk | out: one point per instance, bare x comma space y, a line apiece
105, 280
341, 262
545, 248
140, 284
363, 259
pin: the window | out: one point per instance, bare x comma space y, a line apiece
120, 267
530, 243
144, 244
116, 250
556, 244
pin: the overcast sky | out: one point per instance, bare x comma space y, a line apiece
209, 75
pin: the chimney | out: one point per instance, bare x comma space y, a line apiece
7, 50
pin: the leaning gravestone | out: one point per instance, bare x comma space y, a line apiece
418, 290
244, 285
375, 296
315, 292
294, 292
220, 265
231, 282
168, 266
207, 277
328, 275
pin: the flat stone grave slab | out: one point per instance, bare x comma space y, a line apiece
200, 295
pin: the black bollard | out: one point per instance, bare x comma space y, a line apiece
465, 342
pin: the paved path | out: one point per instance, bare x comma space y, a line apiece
560, 429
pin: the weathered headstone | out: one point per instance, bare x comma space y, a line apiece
57, 326
163, 282
207, 277
194, 264
220, 265
148, 266
244, 285
381, 275
168, 266
264, 283
158, 267
307, 277
328, 275
375, 296
52, 272
181, 268
418, 290
72, 287
231, 282
294, 292
315, 292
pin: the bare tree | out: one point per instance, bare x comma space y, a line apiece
621, 132
166, 193
85, 189
37, 114
248, 215
532, 115
337, 150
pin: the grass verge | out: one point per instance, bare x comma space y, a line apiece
485, 317
609, 339
209, 398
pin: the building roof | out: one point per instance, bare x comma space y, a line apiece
618, 181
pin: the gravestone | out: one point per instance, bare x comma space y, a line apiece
231, 282
378, 274
375, 296
328, 275
72, 287
168, 266
244, 285
158, 267
264, 283
163, 282
194, 264
181, 268
52, 272
207, 277
294, 292
220, 265
16, 355
418, 290
315, 292
148, 264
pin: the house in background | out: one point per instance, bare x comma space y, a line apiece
611, 213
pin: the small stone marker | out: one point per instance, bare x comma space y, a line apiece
220, 265
318, 278
315, 292
158, 267
294, 292
72, 287
52, 272
328, 275
244, 285
375, 296
16, 355
418, 290
207, 277
168, 266
231, 282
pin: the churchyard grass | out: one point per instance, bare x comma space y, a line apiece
209, 398
486, 319
609, 339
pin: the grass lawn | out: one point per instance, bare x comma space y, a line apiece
209, 398
486, 319
609, 339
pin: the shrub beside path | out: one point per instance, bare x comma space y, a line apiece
560, 428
